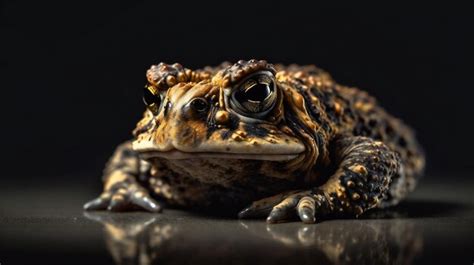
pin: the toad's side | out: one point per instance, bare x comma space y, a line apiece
280, 142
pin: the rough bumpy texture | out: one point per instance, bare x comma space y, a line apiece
286, 140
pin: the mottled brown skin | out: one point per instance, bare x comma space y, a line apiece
277, 141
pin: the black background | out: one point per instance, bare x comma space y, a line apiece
72, 73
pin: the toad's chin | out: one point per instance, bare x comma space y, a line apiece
179, 155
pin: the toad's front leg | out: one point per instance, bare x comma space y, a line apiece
365, 170
122, 191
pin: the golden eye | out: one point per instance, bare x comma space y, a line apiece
255, 96
152, 99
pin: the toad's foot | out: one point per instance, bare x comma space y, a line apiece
286, 206
124, 196
362, 181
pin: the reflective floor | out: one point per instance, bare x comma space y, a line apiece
47, 226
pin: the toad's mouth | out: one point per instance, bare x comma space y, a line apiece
176, 154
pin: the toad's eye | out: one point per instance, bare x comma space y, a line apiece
152, 99
255, 96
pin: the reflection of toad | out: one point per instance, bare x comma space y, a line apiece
133, 240
371, 242
288, 141
144, 239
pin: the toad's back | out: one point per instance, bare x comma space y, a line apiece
345, 110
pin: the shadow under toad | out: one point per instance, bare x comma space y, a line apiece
414, 208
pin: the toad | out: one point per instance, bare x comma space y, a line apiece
260, 140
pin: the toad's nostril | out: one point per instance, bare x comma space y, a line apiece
200, 105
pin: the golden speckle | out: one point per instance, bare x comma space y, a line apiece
299, 101
205, 75
374, 200
355, 196
122, 191
181, 77
350, 184
338, 108
237, 137
241, 133
299, 74
222, 117
287, 130
188, 73
365, 107
225, 83
118, 197
170, 80
340, 195
359, 169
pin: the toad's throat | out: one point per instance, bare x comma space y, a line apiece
176, 154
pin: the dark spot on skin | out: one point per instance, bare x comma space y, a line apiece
253, 130
225, 134
227, 149
234, 122
372, 123
165, 178
231, 127
389, 130
377, 136
402, 142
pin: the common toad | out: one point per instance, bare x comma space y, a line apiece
277, 141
